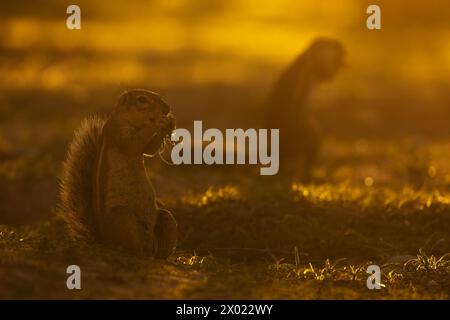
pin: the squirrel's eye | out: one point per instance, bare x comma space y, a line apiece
142, 99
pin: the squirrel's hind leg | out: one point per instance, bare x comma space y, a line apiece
122, 230
166, 233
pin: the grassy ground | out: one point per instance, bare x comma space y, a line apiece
243, 236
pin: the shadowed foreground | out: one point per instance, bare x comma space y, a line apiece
244, 237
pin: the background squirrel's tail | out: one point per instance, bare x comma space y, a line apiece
76, 178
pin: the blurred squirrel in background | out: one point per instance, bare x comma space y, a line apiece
287, 105
105, 194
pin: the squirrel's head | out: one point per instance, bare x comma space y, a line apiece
326, 57
145, 117
142, 100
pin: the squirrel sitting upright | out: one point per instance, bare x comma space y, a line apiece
105, 195
288, 110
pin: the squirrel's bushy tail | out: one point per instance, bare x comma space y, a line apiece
77, 177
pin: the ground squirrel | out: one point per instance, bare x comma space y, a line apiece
287, 104
105, 194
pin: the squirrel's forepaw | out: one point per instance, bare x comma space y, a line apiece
167, 125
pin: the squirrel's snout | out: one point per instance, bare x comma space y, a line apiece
165, 109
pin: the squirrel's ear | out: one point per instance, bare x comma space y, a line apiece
123, 101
